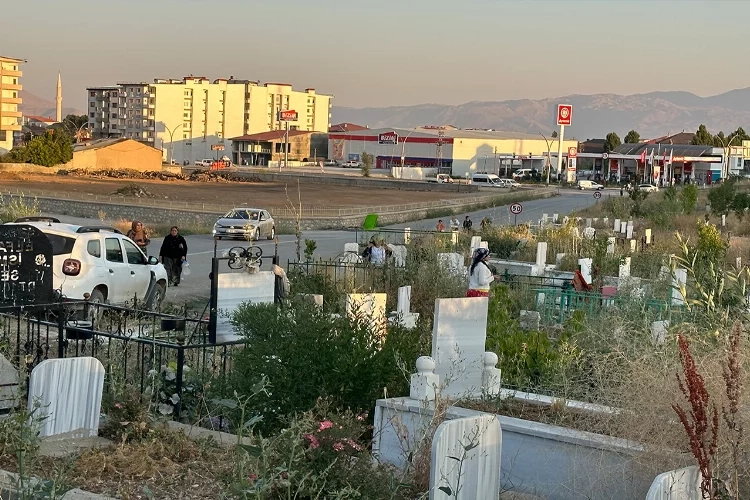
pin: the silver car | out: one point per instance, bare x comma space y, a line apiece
246, 224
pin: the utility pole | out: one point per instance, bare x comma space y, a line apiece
286, 147
441, 136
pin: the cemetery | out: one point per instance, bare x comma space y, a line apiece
608, 361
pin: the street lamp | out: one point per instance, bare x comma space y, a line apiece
726, 153
171, 146
77, 133
549, 154
403, 146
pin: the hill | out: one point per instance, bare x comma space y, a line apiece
34, 105
652, 115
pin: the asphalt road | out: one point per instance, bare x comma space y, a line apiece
331, 243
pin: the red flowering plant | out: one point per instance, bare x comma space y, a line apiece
334, 435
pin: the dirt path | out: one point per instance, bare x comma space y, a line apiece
261, 194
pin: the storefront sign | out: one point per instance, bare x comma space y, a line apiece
288, 115
388, 138
564, 114
25, 266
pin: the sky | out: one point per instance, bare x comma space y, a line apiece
386, 52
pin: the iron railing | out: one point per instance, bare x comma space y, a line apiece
139, 349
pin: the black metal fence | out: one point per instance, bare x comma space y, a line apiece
156, 353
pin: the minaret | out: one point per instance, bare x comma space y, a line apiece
58, 99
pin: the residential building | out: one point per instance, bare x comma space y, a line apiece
184, 118
38, 121
346, 127
10, 98
116, 154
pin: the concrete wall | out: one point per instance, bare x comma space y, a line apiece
469, 153
551, 462
128, 154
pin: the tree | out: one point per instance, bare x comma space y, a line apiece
689, 198
633, 137
736, 137
367, 160
52, 148
702, 137
554, 134
611, 141
719, 140
721, 198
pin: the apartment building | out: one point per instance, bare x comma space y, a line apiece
104, 112
188, 116
10, 98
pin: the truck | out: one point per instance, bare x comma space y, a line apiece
440, 179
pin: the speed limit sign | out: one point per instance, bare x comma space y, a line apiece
516, 208
597, 195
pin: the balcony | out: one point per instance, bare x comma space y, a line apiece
11, 127
11, 100
14, 114
11, 72
11, 86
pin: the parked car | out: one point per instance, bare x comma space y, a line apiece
206, 162
331, 163
102, 262
512, 183
440, 179
589, 185
351, 164
245, 223
649, 188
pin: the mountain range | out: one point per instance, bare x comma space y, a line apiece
651, 115
33, 105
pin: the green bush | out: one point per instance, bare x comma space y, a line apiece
15, 207
688, 198
49, 149
501, 246
721, 197
306, 354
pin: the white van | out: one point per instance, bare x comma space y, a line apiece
521, 173
589, 185
490, 180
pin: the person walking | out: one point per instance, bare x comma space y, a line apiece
455, 225
468, 224
172, 254
480, 274
440, 226
138, 235
377, 251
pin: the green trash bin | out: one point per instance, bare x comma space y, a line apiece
371, 222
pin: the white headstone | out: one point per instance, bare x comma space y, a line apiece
541, 253
585, 265
452, 263
313, 298
605, 221
475, 243
424, 384
235, 289
368, 308
723, 220
680, 484
633, 246
454, 237
623, 227
9, 380
69, 393
559, 257
565, 220
404, 299
738, 262
664, 273
529, 320
611, 245
679, 280
476, 471
399, 255
617, 226
407, 235
351, 247
624, 270
629, 232
459, 334
555, 218
589, 233
648, 236
588, 222
544, 218
659, 331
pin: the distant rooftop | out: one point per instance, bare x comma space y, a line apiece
273, 135
12, 59
346, 127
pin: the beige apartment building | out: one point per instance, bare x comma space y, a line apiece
10, 98
186, 117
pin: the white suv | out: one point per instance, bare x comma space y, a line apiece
102, 262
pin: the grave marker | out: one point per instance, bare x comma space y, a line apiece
466, 452
368, 308
611, 245
26, 266
424, 384
585, 266
648, 236
459, 334
679, 280
69, 393
617, 226
407, 235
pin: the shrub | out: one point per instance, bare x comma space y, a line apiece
721, 197
688, 198
617, 207
15, 207
306, 354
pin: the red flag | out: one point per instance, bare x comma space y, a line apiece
664, 161
643, 156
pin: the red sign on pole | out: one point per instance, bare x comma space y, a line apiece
288, 115
572, 152
564, 114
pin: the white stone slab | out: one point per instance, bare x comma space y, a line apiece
458, 344
680, 484
399, 255
633, 246
611, 245
565, 220
407, 235
452, 262
369, 308
617, 225
541, 253
559, 257
738, 263
589, 222
351, 247
647, 233
484, 244
629, 232
475, 242
623, 227
544, 218
679, 279
585, 265
69, 393
555, 218
476, 473
235, 289
404, 300
9, 380
659, 331
623, 272
589, 233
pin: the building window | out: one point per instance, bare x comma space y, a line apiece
93, 105
186, 115
91, 115
138, 91
92, 94
114, 126
114, 115
130, 101
150, 134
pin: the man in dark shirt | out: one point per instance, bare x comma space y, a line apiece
172, 254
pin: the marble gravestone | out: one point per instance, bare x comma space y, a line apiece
237, 288
466, 456
68, 392
458, 344
368, 308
